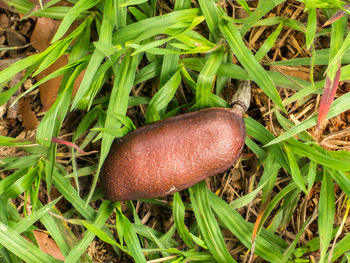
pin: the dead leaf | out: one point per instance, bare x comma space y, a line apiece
49, 89
298, 72
48, 245
29, 118
4, 21
43, 33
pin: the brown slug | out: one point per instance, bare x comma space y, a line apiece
170, 155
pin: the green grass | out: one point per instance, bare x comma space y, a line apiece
192, 46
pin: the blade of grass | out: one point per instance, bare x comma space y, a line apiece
294, 168
208, 224
268, 44
105, 37
312, 153
260, 133
179, 219
124, 79
326, 211
205, 79
210, 12
102, 215
71, 16
130, 237
150, 27
254, 69
338, 106
311, 27
160, 101
263, 8
268, 245
10, 239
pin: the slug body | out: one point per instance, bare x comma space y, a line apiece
167, 156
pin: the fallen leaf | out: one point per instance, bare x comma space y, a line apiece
45, 29
48, 245
4, 21
298, 72
49, 89
29, 118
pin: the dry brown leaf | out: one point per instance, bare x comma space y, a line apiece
48, 245
4, 21
298, 72
29, 118
43, 33
49, 89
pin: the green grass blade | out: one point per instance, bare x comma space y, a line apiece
294, 168
342, 180
311, 27
211, 15
268, 44
160, 101
124, 79
256, 149
22, 184
248, 61
341, 247
288, 253
208, 224
310, 152
150, 27
28, 221
71, 16
102, 215
268, 245
179, 219
269, 177
326, 211
281, 194
205, 79
58, 231
67, 190
53, 119
10, 239
263, 8
311, 176
130, 237
338, 106
182, 4
121, 14
260, 133
246, 199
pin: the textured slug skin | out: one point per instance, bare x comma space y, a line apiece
167, 156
